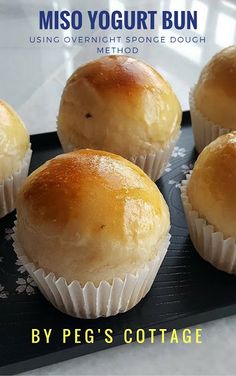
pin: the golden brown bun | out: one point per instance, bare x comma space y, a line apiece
90, 216
118, 104
212, 186
215, 92
14, 141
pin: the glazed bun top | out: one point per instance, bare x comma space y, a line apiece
212, 186
14, 141
89, 216
118, 104
215, 92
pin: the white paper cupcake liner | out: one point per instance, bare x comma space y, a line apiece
11, 185
209, 243
154, 164
90, 301
204, 130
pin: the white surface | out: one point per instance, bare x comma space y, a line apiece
32, 79
33, 76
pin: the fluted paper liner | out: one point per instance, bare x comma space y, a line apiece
211, 245
89, 301
204, 130
153, 164
11, 185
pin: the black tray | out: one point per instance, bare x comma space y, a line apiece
186, 291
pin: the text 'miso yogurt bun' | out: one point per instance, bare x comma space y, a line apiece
215, 92
14, 141
90, 216
212, 185
121, 105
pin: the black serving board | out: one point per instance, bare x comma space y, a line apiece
187, 290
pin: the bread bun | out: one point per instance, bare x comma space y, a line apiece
215, 92
118, 104
212, 186
14, 141
90, 216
